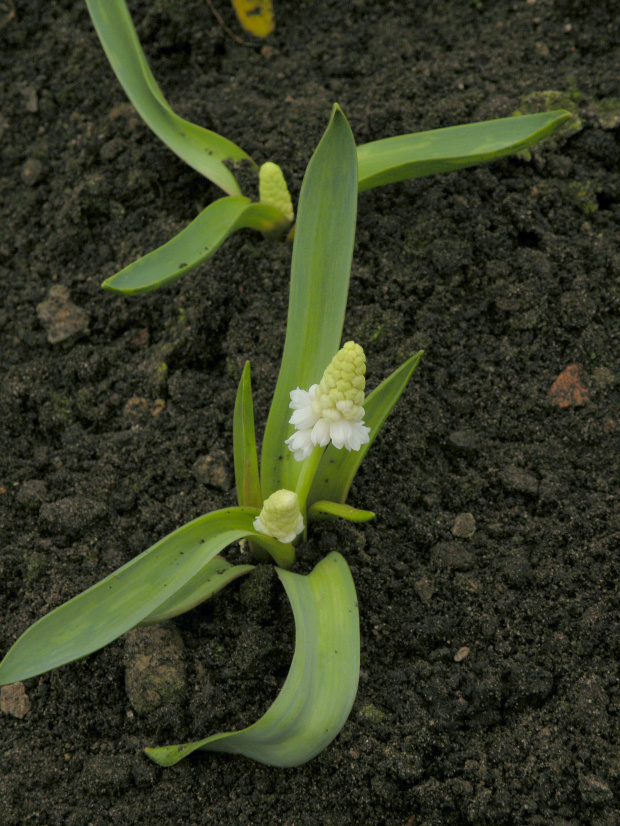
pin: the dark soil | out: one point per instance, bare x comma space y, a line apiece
506, 275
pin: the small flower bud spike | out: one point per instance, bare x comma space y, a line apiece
332, 410
273, 191
280, 516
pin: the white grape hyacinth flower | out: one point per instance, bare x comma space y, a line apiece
280, 516
332, 411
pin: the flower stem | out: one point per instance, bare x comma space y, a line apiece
304, 483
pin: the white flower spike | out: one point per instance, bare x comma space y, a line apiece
280, 516
332, 410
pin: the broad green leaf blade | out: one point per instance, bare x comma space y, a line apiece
208, 581
318, 694
193, 245
338, 467
202, 149
443, 150
320, 272
124, 598
336, 510
244, 445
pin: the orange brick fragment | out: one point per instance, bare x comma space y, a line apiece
568, 390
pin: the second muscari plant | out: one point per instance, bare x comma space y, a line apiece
215, 157
319, 428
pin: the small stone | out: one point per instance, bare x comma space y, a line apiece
159, 405
14, 700
606, 113
141, 338
451, 555
154, 668
517, 480
464, 442
370, 714
517, 571
32, 170
71, 516
136, 410
32, 494
568, 390
212, 470
60, 316
105, 773
604, 378
464, 526
424, 589
594, 791
542, 49
461, 654
112, 149
528, 686
30, 97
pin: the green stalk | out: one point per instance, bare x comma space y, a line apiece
304, 483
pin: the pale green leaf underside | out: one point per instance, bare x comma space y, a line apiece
338, 467
193, 245
208, 581
126, 597
320, 273
456, 147
244, 445
318, 694
337, 510
202, 149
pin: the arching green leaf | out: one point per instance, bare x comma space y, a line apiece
318, 694
193, 245
126, 597
456, 147
202, 149
208, 581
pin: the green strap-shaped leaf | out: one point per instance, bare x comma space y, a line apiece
456, 147
318, 694
193, 245
244, 445
126, 597
208, 581
202, 149
338, 467
320, 273
336, 510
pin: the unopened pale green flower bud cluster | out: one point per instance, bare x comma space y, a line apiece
341, 390
273, 191
280, 516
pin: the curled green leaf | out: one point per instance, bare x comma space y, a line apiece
193, 245
318, 694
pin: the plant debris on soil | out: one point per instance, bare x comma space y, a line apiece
488, 583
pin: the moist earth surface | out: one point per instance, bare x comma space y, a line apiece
488, 582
